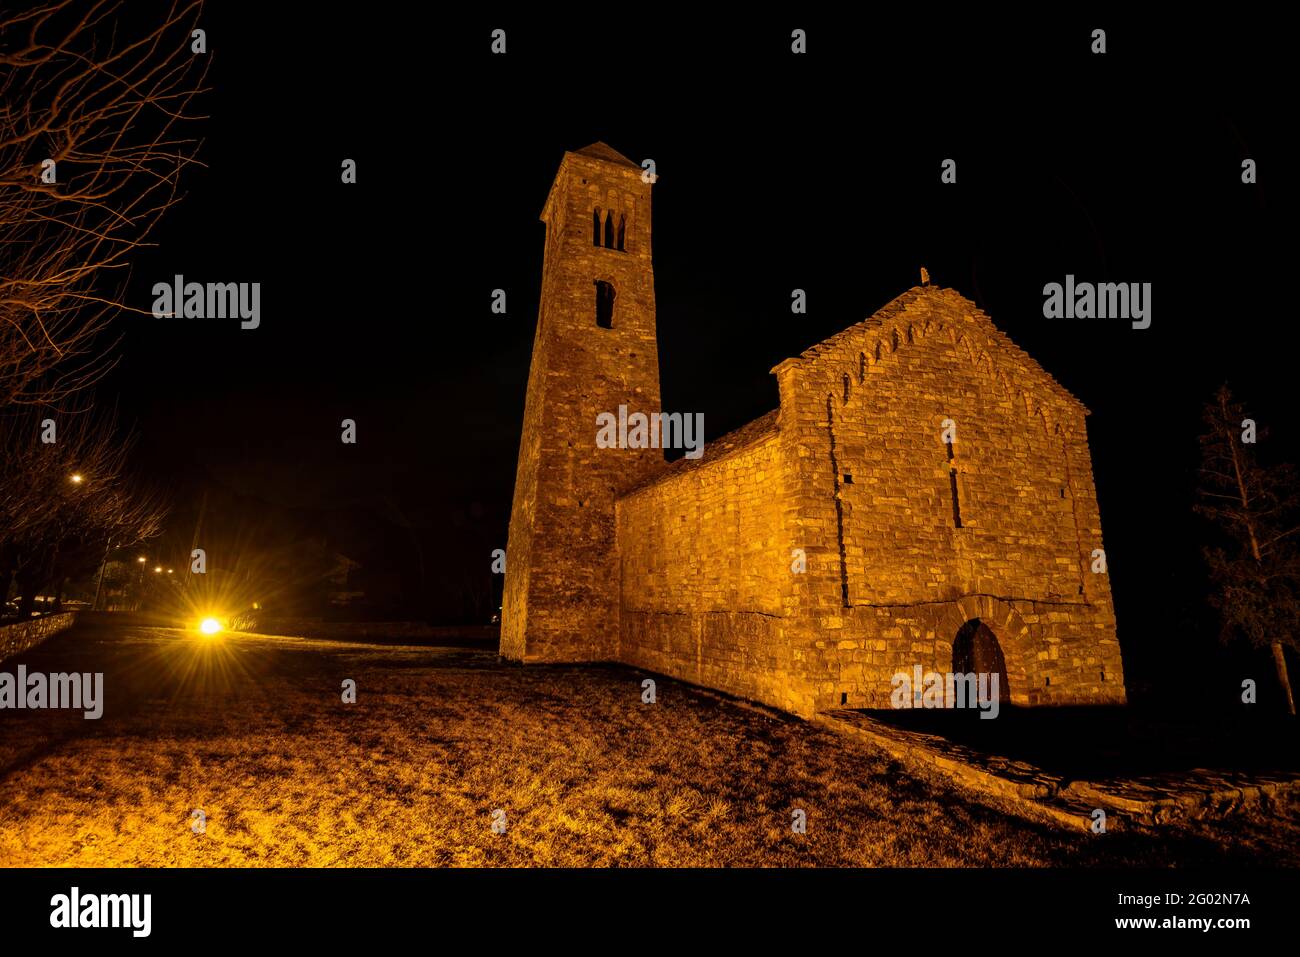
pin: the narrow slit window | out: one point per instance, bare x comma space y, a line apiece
604, 304
609, 231
839, 504
622, 233
952, 481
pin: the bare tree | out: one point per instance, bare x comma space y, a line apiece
91, 95
64, 505
1256, 579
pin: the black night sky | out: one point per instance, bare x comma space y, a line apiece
776, 172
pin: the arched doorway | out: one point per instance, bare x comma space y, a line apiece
976, 650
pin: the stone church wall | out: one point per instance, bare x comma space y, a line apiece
705, 562
893, 572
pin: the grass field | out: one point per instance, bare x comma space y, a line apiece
252, 731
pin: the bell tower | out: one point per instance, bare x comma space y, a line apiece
595, 349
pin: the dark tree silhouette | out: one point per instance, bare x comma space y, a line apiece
53, 528
1256, 577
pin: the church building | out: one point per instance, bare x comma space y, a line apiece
922, 496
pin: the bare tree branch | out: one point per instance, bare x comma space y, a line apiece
100, 93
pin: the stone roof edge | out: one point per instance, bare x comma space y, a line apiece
898, 305
767, 429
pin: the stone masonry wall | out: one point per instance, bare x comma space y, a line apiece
705, 559
890, 573
561, 589
25, 635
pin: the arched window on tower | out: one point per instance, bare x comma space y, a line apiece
846, 388
609, 230
595, 226
604, 304
622, 233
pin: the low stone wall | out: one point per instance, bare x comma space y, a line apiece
20, 637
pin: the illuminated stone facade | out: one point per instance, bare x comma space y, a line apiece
814, 553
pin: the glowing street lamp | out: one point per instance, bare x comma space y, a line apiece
141, 559
158, 568
209, 626
76, 478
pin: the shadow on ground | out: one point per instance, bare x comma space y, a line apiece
1102, 743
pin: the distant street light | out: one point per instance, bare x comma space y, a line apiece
141, 559
76, 478
157, 568
169, 571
